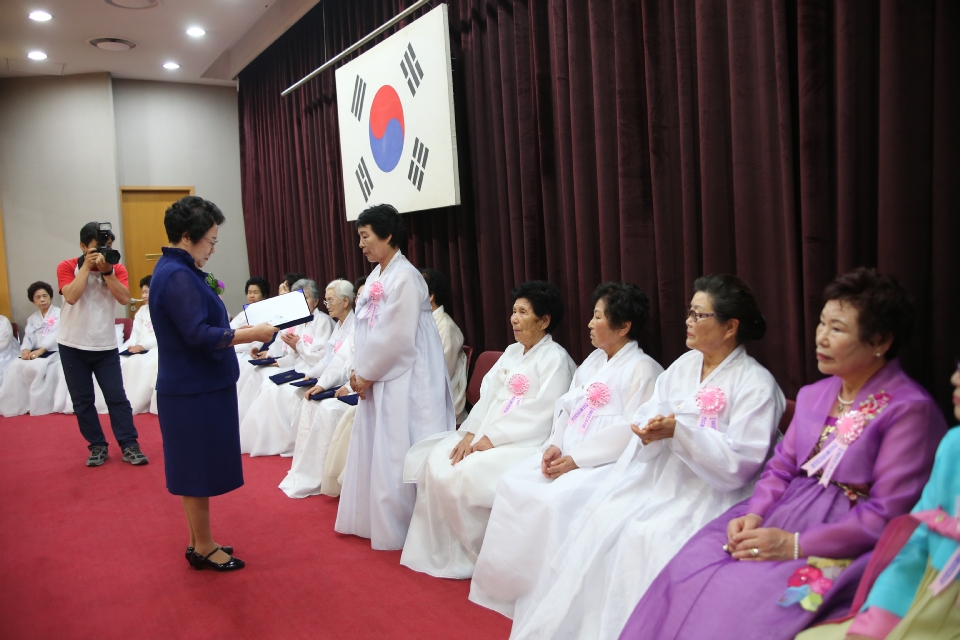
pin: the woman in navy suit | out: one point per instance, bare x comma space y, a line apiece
197, 378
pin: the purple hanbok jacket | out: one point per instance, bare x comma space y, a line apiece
894, 455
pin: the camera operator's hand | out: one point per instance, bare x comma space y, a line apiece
101, 263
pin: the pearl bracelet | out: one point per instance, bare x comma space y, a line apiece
796, 546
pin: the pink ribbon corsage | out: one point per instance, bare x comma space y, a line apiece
598, 395
376, 294
48, 324
518, 384
849, 428
307, 338
939, 521
337, 346
710, 401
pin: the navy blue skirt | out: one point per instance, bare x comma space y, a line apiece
201, 442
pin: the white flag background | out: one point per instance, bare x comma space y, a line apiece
398, 138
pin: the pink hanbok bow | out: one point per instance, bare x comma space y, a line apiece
48, 324
376, 294
337, 346
518, 384
597, 395
710, 401
939, 521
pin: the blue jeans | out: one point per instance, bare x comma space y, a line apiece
79, 367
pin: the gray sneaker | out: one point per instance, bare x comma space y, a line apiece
98, 455
134, 456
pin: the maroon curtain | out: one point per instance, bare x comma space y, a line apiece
654, 141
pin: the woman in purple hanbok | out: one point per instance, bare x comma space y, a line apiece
858, 453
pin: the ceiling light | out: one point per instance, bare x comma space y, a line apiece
40, 16
171, 65
37, 55
133, 4
113, 44
196, 32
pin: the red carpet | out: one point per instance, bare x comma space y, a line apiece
98, 553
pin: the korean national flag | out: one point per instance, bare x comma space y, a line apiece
398, 138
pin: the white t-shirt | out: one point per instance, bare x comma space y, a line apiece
88, 324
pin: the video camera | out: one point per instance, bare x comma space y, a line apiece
112, 256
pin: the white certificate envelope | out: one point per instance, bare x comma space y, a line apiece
287, 310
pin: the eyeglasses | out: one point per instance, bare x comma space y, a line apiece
329, 303
213, 242
696, 317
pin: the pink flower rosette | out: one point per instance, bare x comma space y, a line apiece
518, 384
710, 401
374, 296
337, 346
48, 324
307, 338
849, 428
597, 395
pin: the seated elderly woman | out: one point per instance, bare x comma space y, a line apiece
451, 337
456, 477
857, 453
288, 282
916, 594
30, 383
139, 368
9, 347
315, 419
704, 435
296, 349
256, 289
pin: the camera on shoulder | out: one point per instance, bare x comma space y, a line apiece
112, 256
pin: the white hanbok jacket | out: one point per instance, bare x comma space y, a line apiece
140, 370
454, 501
398, 350
531, 512
452, 340
656, 497
9, 347
29, 386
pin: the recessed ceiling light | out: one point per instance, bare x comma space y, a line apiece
133, 4
40, 16
196, 32
37, 55
171, 65
113, 44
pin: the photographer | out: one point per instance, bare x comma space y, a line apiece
90, 286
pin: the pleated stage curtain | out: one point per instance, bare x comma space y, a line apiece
648, 141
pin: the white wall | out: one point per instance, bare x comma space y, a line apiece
68, 143
58, 171
187, 135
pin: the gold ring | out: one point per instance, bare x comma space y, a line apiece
755, 552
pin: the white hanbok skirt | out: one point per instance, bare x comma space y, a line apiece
30, 386
250, 384
453, 506
315, 425
267, 428
140, 379
337, 454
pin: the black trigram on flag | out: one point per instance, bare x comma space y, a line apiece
411, 69
359, 93
363, 177
418, 165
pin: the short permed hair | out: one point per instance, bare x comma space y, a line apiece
624, 302
191, 215
386, 222
37, 286
310, 289
145, 281
731, 298
884, 308
436, 285
259, 283
292, 277
545, 299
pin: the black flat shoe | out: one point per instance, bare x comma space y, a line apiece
200, 562
189, 554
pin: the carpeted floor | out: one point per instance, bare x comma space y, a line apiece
98, 553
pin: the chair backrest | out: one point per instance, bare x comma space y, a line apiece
787, 415
469, 353
16, 331
485, 362
127, 327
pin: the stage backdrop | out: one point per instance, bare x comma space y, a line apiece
648, 141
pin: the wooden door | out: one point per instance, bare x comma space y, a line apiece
4, 283
142, 210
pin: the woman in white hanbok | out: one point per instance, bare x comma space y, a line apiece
401, 378
257, 289
140, 367
265, 425
456, 476
452, 339
702, 440
315, 421
30, 383
536, 501
9, 347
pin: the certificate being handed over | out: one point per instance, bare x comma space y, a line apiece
287, 310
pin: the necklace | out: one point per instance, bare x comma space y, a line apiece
843, 403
